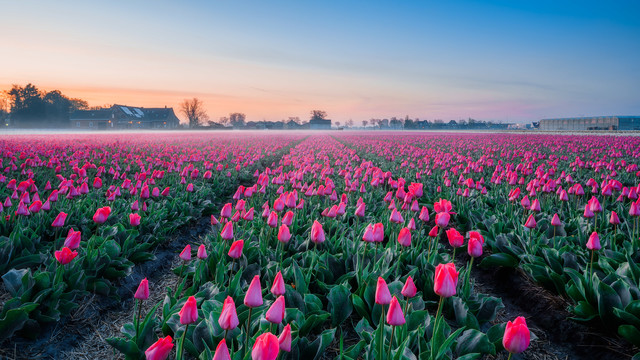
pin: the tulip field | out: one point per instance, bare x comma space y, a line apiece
322, 245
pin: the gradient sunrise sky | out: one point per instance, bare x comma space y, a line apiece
506, 60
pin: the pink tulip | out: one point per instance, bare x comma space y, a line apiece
275, 314
253, 297
284, 339
594, 242
65, 255
455, 238
383, 296
101, 215
284, 235
395, 317
202, 252
378, 232
516, 336
186, 253
160, 350
555, 221
404, 237
409, 289
59, 220
222, 351
442, 219
236, 249
228, 319
266, 347
73, 239
142, 293
531, 222
189, 312
446, 280
474, 247
227, 231
278, 288
317, 233
134, 219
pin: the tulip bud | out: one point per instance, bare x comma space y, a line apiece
143, 290
160, 350
516, 336
189, 311
446, 280
222, 351
275, 314
395, 317
409, 289
228, 319
278, 288
266, 347
253, 297
285, 339
185, 255
236, 249
383, 296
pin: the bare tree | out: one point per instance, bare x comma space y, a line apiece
194, 111
237, 119
318, 115
224, 120
364, 123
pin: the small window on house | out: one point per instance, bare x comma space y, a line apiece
77, 123
91, 124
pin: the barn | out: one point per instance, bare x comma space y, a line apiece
591, 123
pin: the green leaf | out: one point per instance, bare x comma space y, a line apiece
630, 333
474, 341
15, 319
340, 305
500, 259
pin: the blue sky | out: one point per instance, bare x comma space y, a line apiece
492, 60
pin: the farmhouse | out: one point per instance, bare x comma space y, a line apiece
320, 124
125, 117
592, 123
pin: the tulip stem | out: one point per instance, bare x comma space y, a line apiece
381, 329
510, 354
233, 262
435, 326
393, 329
139, 306
181, 346
591, 267
248, 334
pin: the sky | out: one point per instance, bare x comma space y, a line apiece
507, 60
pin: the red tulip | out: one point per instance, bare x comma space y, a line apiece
222, 351
59, 220
396, 217
284, 339
434, 231
555, 221
360, 210
236, 249
143, 290
409, 289
134, 219
317, 233
287, 219
253, 297
65, 255
442, 206
266, 347
228, 319
404, 237
516, 336
277, 288
383, 296
446, 280
275, 314
101, 215
189, 312
160, 350
272, 220
395, 317
455, 238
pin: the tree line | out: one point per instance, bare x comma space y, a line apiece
29, 107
